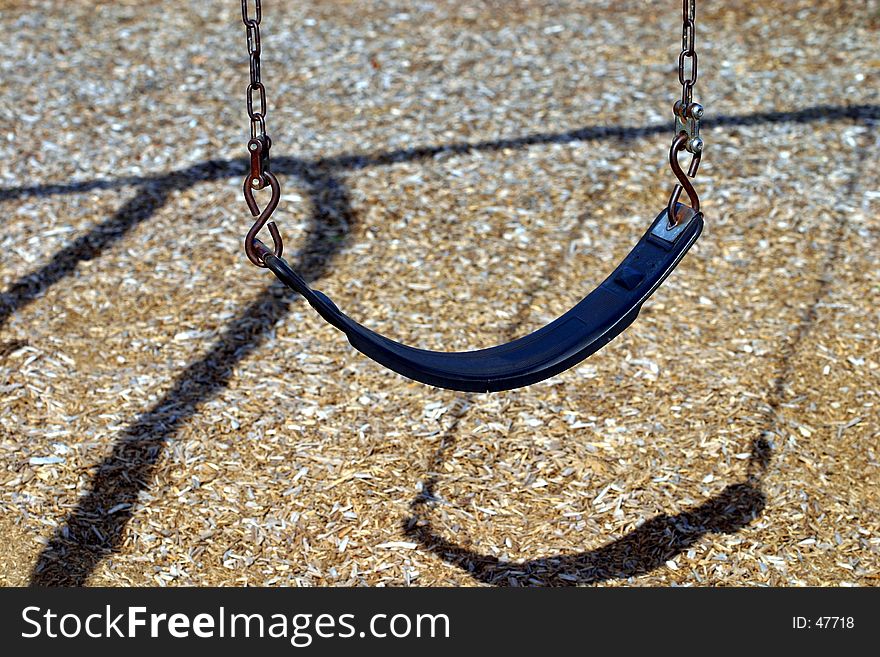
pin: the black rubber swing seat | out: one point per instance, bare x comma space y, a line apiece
596, 320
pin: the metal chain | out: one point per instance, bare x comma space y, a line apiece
687, 130
252, 25
687, 115
259, 175
687, 59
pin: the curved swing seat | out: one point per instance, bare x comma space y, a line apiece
583, 330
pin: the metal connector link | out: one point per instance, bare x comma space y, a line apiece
687, 120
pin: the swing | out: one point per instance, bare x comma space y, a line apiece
596, 320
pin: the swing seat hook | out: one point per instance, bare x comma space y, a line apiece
679, 144
253, 247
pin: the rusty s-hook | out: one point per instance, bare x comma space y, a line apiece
253, 247
678, 144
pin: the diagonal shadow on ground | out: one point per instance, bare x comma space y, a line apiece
92, 531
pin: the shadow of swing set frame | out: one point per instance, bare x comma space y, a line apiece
89, 533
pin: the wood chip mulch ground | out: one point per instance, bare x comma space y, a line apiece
455, 174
